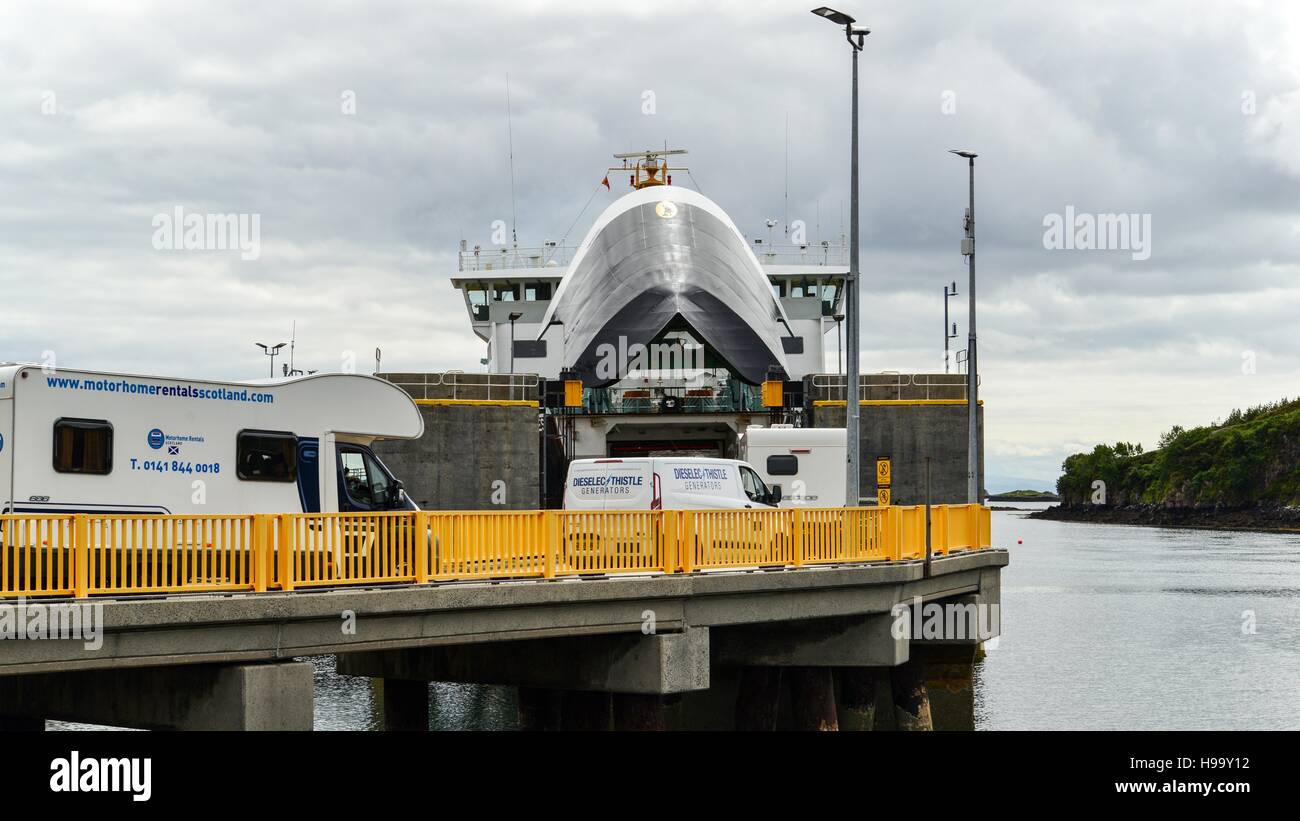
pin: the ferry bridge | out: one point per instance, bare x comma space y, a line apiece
629, 619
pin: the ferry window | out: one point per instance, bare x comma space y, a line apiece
83, 446
366, 483
537, 292
478, 303
266, 456
507, 293
783, 466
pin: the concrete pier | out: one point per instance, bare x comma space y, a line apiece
196, 697
755, 649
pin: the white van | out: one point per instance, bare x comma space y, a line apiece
806, 463
665, 483
90, 442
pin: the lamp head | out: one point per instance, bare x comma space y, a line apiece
967, 154
837, 17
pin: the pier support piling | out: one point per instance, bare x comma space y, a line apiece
949, 682
812, 698
911, 699
857, 705
539, 709
758, 698
21, 724
586, 710
406, 705
638, 711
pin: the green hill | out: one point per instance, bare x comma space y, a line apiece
1251, 459
1025, 496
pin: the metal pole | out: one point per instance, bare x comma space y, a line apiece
972, 378
945, 329
929, 549
839, 346
851, 407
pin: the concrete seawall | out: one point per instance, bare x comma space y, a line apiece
908, 432
471, 457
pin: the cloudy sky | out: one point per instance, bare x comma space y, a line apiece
371, 137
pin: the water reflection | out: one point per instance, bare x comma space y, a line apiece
355, 703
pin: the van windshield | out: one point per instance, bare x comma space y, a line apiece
754, 487
366, 482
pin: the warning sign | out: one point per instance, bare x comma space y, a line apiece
882, 497
883, 471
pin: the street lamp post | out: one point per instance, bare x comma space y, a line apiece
948, 333
852, 409
972, 372
271, 351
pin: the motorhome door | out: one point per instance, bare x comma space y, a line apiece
308, 476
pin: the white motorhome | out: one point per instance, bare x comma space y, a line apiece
90, 442
806, 463
667, 483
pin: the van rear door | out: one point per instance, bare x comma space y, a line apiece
609, 484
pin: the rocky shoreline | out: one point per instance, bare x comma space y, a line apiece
1266, 519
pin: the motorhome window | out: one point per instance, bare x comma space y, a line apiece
266, 456
83, 446
366, 482
783, 465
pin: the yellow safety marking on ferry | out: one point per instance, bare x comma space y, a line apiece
89, 554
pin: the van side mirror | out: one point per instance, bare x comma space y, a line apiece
396, 494
774, 497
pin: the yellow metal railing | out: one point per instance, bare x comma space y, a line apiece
85, 555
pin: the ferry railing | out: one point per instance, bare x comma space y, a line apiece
499, 258
661, 399
88, 555
473, 386
826, 254
928, 386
